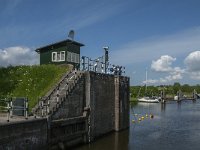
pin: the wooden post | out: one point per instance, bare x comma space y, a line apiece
162, 96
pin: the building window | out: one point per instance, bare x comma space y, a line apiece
69, 56
62, 58
77, 58
73, 57
78, 61
58, 56
54, 56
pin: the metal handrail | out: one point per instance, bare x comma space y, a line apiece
44, 103
6, 108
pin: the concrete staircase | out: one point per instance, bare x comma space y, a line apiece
51, 102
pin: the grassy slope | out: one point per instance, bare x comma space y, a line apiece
29, 81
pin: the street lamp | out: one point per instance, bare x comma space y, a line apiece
106, 57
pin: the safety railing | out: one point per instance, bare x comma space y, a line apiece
5, 107
46, 105
15, 106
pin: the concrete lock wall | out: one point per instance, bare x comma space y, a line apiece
123, 101
29, 134
74, 103
102, 97
107, 96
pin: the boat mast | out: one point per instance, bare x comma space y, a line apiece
146, 83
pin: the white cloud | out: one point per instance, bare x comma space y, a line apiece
192, 62
150, 81
154, 47
167, 79
195, 75
163, 64
17, 56
175, 75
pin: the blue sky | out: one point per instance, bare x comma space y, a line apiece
160, 36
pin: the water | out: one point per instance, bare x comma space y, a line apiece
174, 127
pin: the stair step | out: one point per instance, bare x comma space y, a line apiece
63, 90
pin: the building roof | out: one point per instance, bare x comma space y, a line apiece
58, 44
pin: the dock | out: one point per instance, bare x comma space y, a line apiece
180, 97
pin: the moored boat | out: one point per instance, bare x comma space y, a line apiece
148, 100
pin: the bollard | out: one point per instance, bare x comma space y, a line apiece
8, 112
24, 107
11, 108
42, 105
26, 115
48, 105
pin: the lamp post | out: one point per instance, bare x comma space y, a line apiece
106, 57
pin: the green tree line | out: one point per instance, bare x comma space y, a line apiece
170, 90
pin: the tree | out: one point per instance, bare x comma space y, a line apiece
186, 88
176, 87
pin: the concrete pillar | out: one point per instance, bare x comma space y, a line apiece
88, 105
117, 104
87, 89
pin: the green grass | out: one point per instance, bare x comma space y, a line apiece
29, 81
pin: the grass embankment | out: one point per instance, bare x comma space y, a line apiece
29, 81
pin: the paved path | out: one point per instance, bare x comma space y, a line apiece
14, 119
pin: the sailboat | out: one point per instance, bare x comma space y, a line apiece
148, 99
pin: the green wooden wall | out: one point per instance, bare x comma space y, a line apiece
46, 55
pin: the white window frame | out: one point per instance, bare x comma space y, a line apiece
62, 53
52, 56
59, 56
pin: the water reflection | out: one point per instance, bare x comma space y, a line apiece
179, 106
163, 106
113, 141
174, 126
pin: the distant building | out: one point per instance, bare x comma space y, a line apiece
63, 52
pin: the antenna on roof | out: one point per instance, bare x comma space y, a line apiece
71, 34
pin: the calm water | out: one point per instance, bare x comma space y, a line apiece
174, 127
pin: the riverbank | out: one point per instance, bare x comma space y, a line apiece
133, 99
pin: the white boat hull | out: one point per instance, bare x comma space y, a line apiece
148, 100
175, 98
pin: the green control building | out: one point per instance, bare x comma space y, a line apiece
63, 52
